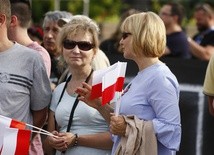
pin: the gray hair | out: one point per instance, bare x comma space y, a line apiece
79, 18
83, 23
54, 16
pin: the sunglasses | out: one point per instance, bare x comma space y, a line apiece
125, 35
82, 45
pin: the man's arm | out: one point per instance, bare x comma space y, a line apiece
39, 117
203, 53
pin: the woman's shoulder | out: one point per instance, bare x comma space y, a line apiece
160, 74
59, 88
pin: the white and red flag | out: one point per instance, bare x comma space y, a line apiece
14, 138
107, 81
16, 142
12, 123
6, 122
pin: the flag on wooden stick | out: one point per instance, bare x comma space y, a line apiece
14, 138
6, 122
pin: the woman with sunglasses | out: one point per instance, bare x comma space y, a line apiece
151, 98
81, 130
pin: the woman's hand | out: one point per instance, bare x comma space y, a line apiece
117, 125
85, 93
57, 142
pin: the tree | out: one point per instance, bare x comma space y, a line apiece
99, 10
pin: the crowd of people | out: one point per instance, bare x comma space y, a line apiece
46, 76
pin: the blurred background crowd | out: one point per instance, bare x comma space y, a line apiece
107, 13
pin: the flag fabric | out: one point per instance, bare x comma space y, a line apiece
12, 123
121, 77
6, 122
106, 82
113, 82
16, 141
96, 90
14, 138
97, 81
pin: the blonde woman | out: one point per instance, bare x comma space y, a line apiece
151, 97
87, 133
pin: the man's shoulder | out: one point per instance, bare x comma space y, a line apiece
26, 52
34, 45
23, 49
40, 49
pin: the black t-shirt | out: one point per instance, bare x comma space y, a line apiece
178, 45
206, 38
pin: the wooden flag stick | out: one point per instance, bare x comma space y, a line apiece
44, 133
40, 130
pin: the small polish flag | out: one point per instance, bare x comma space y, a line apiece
12, 123
113, 81
106, 81
97, 81
16, 141
121, 76
6, 122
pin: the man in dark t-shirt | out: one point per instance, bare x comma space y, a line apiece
172, 15
178, 45
202, 44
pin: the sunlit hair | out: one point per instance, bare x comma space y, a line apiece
206, 8
148, 33
5, 9
79, 23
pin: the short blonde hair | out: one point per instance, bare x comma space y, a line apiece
79, 23
148, 32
